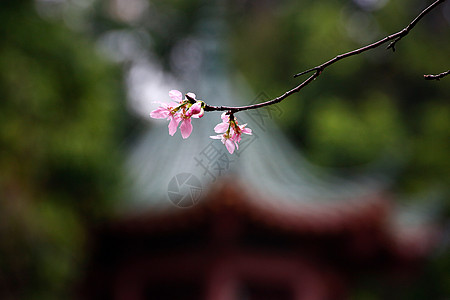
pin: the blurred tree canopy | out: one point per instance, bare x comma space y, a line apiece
62, 109
59, 150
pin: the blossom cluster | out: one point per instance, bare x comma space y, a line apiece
182, 110
230, 132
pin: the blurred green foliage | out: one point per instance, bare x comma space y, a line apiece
60, 113
373, 106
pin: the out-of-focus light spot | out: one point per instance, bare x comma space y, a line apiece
128, 11
124, 45
49, 8
360, 26
73, 13
371, 4
147, 83
186, 56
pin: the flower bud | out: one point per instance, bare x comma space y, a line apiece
196, 110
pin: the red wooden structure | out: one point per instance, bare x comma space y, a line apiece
233, 245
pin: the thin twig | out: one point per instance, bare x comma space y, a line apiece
411, 25
437, 76
270, 102
318, 69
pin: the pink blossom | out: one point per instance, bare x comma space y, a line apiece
227, 140
196, 110
190, 111
239, 130
179, 110
230, 132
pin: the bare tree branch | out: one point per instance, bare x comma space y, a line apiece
411, 25
437, 76
394, 38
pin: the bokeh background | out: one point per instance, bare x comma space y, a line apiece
77, 79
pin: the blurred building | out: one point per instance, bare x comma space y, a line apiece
232, 245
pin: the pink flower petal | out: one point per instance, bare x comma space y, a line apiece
192, 95
246, 131
221, 127
230, 145
195, 109
216, 137
160, 113
225, 117
200, 114
173, 124
186, 128
176, 96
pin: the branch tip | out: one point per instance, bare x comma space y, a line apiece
394, 38
437, 76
